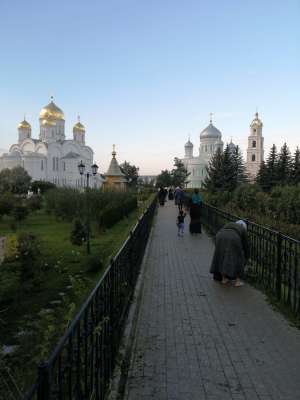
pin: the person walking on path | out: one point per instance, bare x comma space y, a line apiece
231, 253
170, 194
179, 196
180, 223
162, 196
195, 212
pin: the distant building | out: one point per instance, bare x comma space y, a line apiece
255, 150
210, 141
114, 177
51, 157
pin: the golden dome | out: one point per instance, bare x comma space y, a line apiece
51, 112
47, 122
79, 127
24, 125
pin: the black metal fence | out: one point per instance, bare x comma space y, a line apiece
274, 258
82, 364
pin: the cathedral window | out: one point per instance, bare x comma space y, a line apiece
56, 162
253, 143
42, 165
206, 148
254, 130
253, 157
53, 163
64, 165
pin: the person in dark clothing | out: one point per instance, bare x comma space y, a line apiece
231, 253
171, 194
180, 223
162, 196
195, 212
179, 197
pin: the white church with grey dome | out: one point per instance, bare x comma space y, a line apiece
210, 141
52, 157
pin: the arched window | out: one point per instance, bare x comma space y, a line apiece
254, 130
253, 143
253, 157
53, 163
64, 165
42, 165
206, 148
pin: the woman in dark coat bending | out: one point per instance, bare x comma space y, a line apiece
231, 252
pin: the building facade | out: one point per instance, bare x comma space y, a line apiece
52, 157
255, 149
210, 141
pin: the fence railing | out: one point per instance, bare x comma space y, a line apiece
274, 258
82, 364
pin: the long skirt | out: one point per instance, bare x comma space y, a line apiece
195, 213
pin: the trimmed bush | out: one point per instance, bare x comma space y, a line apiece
78, 233
28, 250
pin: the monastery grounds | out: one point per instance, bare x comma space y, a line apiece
36, 309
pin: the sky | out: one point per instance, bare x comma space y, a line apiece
145, 74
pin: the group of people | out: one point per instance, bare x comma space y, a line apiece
231, 250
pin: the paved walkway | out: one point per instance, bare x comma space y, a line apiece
198, 340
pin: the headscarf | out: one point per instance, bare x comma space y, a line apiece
242, 223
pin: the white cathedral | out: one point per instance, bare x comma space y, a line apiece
52, 157
210, 141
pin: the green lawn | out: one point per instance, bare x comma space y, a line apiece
34, 315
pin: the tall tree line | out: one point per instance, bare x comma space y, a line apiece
279, 169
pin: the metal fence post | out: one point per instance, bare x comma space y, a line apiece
44, 382
278, 266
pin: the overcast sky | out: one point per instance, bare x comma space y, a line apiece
144, 74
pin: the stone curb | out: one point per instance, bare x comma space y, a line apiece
118, 383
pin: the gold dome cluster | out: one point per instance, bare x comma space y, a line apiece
24, 125
51, 113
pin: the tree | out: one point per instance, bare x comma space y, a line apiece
295, 168
214, 179
271, 166
179, 173
228, 170
164, 179
43, 186
262, 178
131, 172
15, 180
240, 176
284, 166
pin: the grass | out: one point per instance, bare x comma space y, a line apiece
62, 271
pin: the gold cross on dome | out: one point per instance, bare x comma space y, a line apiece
210, 117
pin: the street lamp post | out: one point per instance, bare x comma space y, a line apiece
81, 169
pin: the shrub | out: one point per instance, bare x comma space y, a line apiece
78, 233
92, 263
20, 212
34, 203
10, 248
7, 201
42, 186
28, 250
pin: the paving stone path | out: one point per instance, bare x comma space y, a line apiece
198, 340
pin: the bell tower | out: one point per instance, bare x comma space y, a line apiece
255, 149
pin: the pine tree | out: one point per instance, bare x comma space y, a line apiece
179, 173
262, 178
240, 175
228, 171
271, 165
284, 166
214, 180
295, 175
